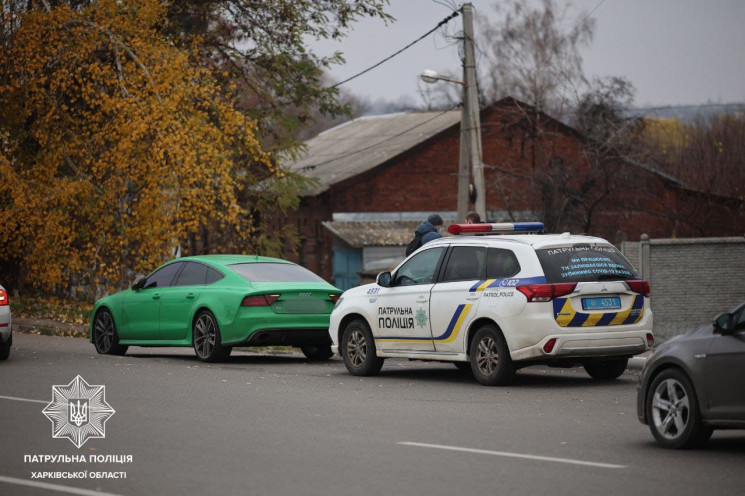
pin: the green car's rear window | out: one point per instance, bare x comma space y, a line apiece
274, 272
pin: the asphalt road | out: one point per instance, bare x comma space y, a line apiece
278, 424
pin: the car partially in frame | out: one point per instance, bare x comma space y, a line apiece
216, 302
6, 325
695, 383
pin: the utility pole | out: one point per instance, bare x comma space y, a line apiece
470, 158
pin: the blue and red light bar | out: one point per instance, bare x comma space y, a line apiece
498, 228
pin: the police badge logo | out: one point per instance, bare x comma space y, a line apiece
78, 411
421, 317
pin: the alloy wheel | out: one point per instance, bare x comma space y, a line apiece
487, 357
204, 335
104, 331
357, 348
670, 409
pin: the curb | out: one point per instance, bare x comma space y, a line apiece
49, 327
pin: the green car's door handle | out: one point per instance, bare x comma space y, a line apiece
156, 296
190, 296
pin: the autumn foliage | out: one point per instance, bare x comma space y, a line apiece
117, 146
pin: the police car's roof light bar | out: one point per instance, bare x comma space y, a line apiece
498, 228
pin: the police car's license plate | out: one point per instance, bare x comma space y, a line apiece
606, 303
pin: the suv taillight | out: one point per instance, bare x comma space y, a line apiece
546, 292
3, 298
641, 287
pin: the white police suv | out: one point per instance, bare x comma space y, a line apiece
496, 303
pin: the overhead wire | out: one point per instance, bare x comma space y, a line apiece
441, 23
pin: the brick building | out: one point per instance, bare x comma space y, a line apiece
378, 177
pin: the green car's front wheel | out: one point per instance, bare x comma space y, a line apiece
105, 337
207, 340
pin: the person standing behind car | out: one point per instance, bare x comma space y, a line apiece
430, 228
473, 218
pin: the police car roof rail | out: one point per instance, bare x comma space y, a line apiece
496, 228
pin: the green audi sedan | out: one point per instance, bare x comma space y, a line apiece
216, 302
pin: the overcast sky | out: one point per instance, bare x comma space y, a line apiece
673, 51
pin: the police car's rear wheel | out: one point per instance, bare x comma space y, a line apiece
606, 370
358, 349
490, 358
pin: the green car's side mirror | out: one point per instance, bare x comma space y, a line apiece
139, 282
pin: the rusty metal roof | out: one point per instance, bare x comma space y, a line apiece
362, 144
374, 233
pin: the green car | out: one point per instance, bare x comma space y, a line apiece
215, 302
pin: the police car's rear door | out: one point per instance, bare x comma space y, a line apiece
454, 298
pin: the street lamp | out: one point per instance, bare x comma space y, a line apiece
430, 76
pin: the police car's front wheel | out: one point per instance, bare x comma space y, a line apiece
491, 363
358, 349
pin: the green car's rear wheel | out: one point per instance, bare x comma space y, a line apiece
105, 337
207, 340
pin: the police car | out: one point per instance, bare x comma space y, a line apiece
496, 303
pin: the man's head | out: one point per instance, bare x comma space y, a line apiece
473, 218
435, 220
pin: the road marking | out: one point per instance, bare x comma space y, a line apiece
53, 487
22, 399
515, 455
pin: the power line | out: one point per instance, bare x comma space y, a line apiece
441, 23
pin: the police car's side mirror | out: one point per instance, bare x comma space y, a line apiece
384, 279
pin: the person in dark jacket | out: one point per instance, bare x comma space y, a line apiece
430, 228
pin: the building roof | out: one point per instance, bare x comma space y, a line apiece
358, 234
357, 146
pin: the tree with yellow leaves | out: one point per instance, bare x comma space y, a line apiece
118, 146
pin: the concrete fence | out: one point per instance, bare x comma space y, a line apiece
692, 279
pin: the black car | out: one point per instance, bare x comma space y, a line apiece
695, 383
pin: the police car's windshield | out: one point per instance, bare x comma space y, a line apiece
584, 263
